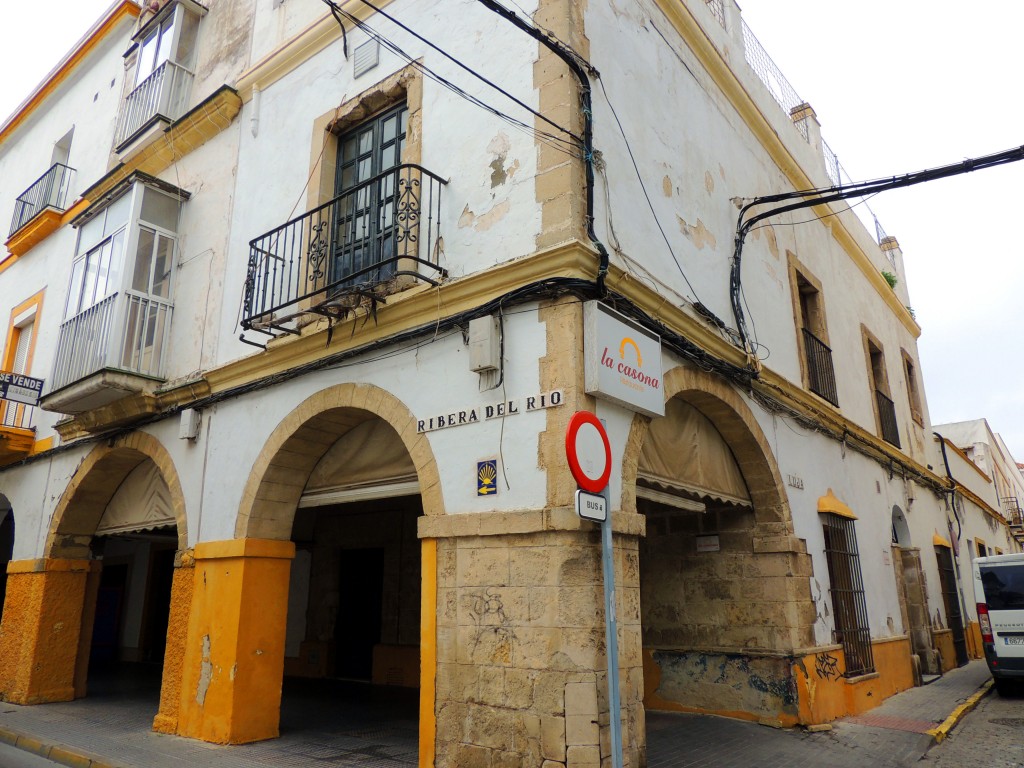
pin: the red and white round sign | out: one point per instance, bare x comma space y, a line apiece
588, 451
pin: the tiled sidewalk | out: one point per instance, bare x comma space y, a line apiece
332, 724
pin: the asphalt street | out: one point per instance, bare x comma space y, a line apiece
989, 737
12, 757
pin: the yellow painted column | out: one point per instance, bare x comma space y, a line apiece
39, 635
234, 653
182, 584
428, 654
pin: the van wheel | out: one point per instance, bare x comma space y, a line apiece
1005, 687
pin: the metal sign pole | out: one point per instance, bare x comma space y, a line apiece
611, 633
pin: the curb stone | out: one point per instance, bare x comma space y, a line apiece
58, 753
940, 732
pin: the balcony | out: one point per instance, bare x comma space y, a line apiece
37, 211
887, 418
1012, 510
112, 350
17, 434
360, 245
821, 376
160, 98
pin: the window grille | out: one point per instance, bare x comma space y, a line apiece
849, 608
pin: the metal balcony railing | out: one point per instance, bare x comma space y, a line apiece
887, 417
127, 332
48, 191
821, 376
1011, 506
16, 415
382, 228
163, 94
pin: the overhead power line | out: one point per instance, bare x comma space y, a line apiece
808, 198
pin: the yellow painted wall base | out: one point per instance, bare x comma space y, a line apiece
975, 649
182, 584
39, 635
944, 645
234, 653
826, 695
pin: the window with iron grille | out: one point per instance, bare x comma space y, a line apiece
809, 312
849, 608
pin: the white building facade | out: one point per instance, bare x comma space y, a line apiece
315, 323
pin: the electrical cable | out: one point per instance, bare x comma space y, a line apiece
580, 68
647, 197
468, 69
558, 143
808, 198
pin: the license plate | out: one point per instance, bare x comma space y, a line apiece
1014, 640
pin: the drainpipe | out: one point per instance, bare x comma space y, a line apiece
254, 121
959, 528
573, 61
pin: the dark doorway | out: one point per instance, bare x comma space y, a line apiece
951, 601
106, 628
158, 605
6, 551
358, 629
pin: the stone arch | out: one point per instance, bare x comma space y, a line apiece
734, 420
289, 455
97, 478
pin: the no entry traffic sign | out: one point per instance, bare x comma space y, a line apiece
588, 451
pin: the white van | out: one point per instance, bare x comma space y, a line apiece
999, 590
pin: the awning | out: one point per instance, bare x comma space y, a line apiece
685, 455
141, 503
370, 461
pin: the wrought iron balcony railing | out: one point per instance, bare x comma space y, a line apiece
163, 94
887, 417
1011, 506
48, 191
821, 376
383, 228
127, 332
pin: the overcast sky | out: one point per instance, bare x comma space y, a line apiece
909, 85
897, 86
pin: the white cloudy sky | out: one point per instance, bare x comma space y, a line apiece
898, 85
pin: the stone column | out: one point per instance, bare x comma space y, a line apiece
39, 635
234, 652
521, 675
166, 720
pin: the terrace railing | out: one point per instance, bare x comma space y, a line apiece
383, 228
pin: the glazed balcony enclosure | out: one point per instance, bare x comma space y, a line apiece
362, 244
113, 340
164, 52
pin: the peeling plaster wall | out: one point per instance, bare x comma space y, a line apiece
696, 153
489, 213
